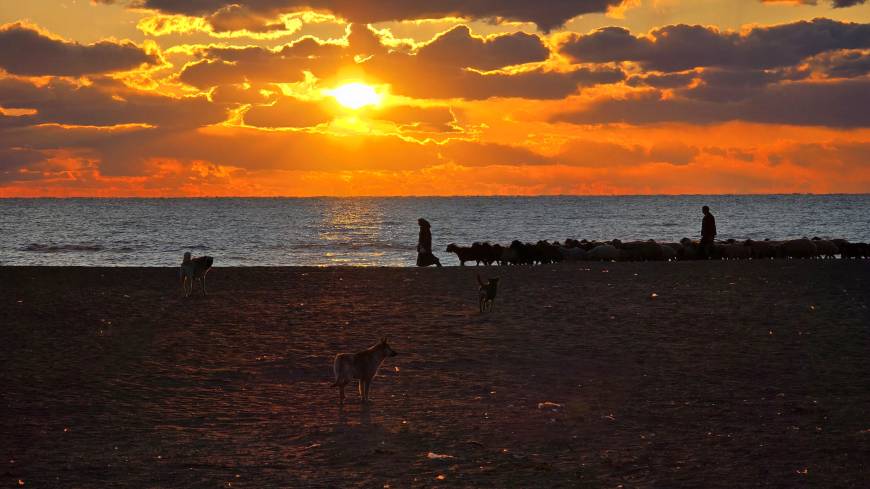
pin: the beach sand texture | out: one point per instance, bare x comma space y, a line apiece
734, 374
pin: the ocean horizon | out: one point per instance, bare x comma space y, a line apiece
382, 231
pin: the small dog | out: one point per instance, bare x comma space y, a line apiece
362, 366
193, 269
486, 293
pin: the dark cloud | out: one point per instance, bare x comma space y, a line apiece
553, 14
104, 103
27, 51
244, 94
234, 65
683, 47
288, 112
843, 64
602, 154
433, 72
296, 113
458, 48
421, 81
723, 85
236, 17
840, 104
834, 3
14, 159
667, 80
424, 119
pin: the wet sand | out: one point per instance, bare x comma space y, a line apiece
736, 374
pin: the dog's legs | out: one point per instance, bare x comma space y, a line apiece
203, 285
362, 390
367, 388
340, 394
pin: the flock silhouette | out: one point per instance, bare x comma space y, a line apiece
546, 252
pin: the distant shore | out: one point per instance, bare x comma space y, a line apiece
654, 374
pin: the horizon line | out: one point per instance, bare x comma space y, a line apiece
134, 197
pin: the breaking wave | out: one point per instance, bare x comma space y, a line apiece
61, 248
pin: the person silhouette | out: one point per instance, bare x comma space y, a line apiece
424, 245
708, 232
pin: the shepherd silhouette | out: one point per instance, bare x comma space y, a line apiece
708, 232
424, 245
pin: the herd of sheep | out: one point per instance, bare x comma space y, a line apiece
543, 252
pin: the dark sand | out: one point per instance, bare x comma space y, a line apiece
738, 374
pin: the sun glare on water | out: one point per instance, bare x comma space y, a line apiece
355, 95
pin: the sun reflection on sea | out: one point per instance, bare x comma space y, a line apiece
352, 227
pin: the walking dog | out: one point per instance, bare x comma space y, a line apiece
193, 269
362, 366
486, 293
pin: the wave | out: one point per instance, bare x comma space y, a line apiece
62, 248
353, 246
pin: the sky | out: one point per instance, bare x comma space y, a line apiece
166, 98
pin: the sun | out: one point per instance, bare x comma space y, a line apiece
355, 95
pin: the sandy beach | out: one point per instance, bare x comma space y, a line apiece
684, 374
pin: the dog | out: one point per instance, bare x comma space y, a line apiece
486, 293
362, 366
193, 269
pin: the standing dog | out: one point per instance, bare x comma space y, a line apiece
193, 269
486, 293
362, 366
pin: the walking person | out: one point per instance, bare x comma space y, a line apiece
424, 245
708, 232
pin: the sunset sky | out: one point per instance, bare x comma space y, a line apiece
443, 97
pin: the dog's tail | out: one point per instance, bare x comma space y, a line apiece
480, 281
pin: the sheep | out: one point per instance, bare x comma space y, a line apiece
544, 253
798, 248
640, 251
826, 248
690, 250
734, 251
573, 253
495, 253
855, 250
669, 252
463, 253
676, 247
604, 252
761, 249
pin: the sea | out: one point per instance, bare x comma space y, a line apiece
383, 231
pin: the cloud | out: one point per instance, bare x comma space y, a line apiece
430, 73
26, 50
833, 104
14, 160
421, 81
220, 65
554, 14
457, 47
834, 3
667, 80
103, 103
842, 64
288, 112
683, 47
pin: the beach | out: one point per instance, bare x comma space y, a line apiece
648, 374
